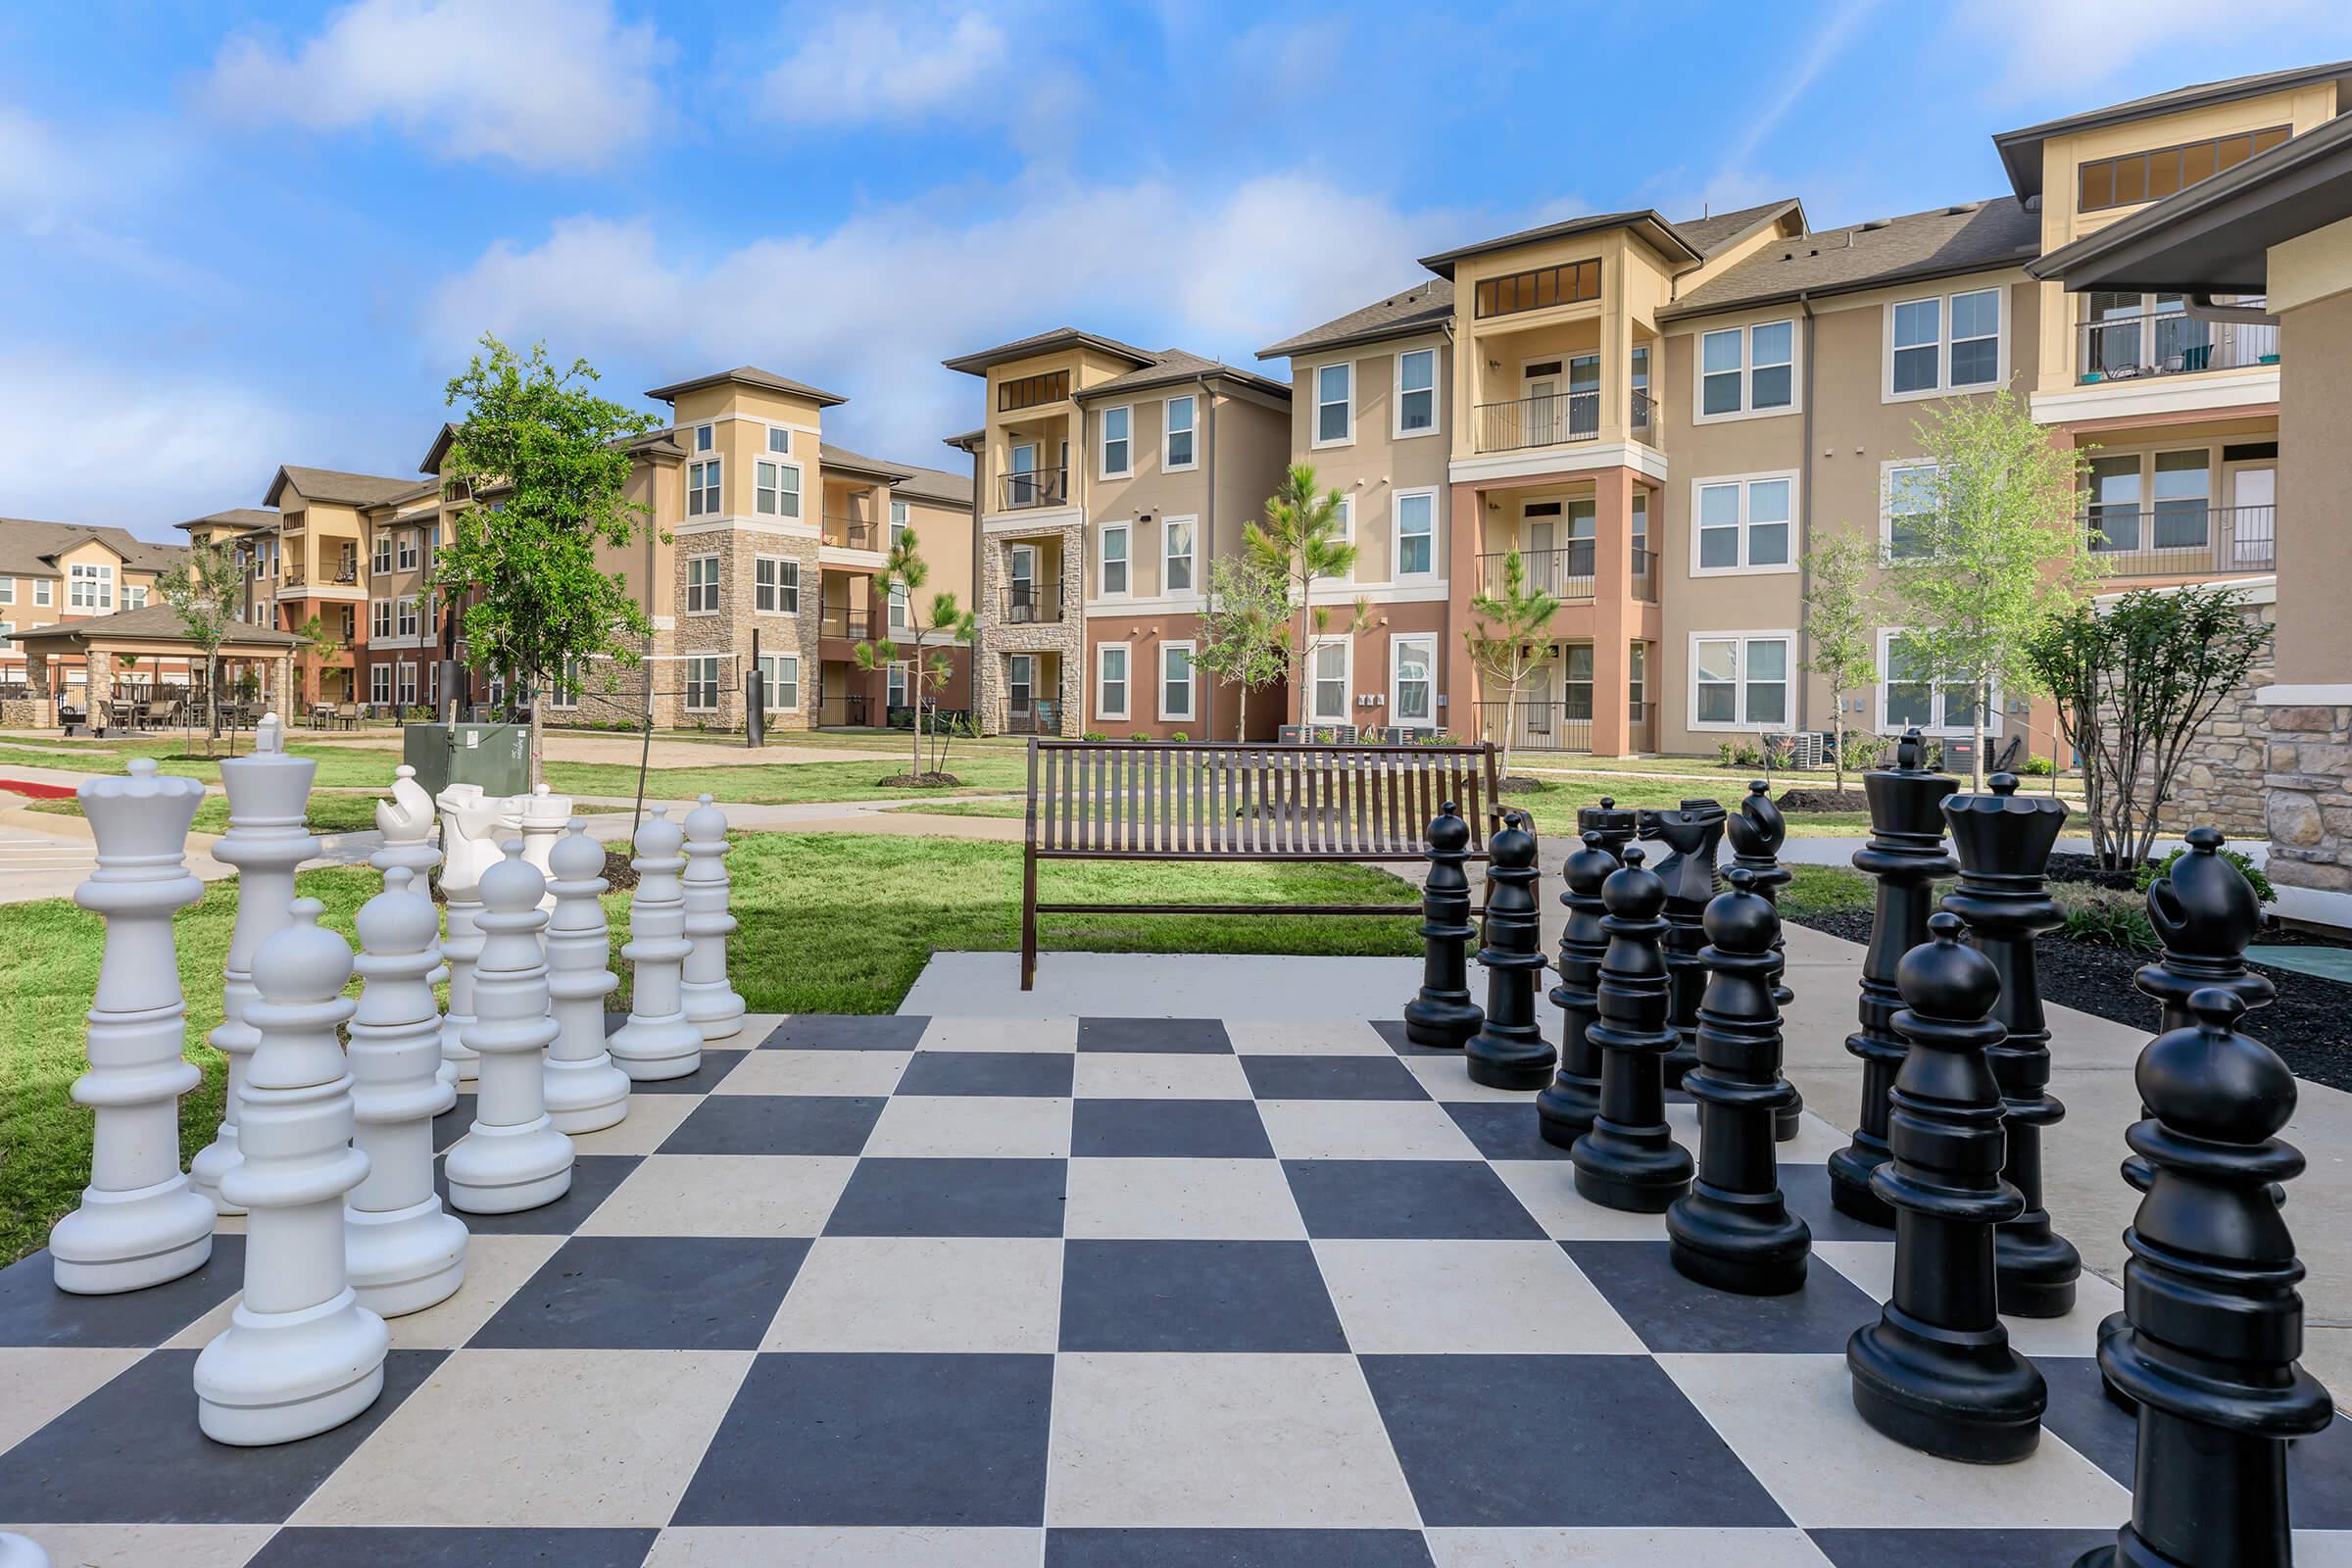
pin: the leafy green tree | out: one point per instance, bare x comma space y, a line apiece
1299, 540
204, 589
1842, 610
1509, 640
542, 462
1246, 630
945, 621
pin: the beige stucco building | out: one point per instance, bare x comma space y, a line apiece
52, 573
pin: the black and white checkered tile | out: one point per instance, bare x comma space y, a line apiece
1095, 1292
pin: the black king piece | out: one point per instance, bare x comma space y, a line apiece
1443, 1015
1566, 1108
1693, 834
1905, 853
1509, 1051
1756, 832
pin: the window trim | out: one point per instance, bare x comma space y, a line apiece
404, 683
44, 592
773, 706
100, 575
779, 588
1191, 681
1397, 646
1743, 482
407, 616
1747, 373
1126, 681
1887, 469
1102, 439
1944, 387
379, 620
1167, 433
1397, 394
797, 492
1885, 652
693, 588
1786, 636
768, 448
1346, 647
695, 507
1126, 588
383, 668
1191, 558
1315, 404
687, 703
1396, 535
379, 553
408, 549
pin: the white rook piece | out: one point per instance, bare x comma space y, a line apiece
512, 1157
711, 1008
469, 847
300, 1355
268, 794
585, 1092
408, 823
540, 817
140, 1224
404, 1254
658, 1042
18, 1552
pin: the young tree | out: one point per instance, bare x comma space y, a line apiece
2133, 685
1299, 540
2000, 550
203, 588
1510, 640
313, 637
544, 464
1840, 611
1246, 630
944, 622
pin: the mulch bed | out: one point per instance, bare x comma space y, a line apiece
917, 781
1819, 799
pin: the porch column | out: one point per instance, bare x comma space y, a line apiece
1465, 527
37, 686
98, 686
281, 684
1613, 611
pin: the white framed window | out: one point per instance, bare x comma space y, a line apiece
1416, 533
779, 440
1118, 451
44, 591
1907, 513
775, 585
1945, 343
1114, 560
1176, 556
563, 688
893, 685
1346, 518
1913, 697
702, 683
1740, 681
1335, 404
1176, 680
705, 438
776, 488
379, 618
701, 585
1417, 392
897, 524
1020, 682
8, 590
1742, 522
406, 619
134, 596
1180, 445
1110, 681
1413, 681
899, 607
1746, 370
780, 673
381, 560
407, 690
432, 680
380, 684
408, 549
1328, 682
90, 586
703, 488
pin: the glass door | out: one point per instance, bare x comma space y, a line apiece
1024, 604
1024, 490
2253, 510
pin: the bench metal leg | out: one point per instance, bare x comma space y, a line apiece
1028, 920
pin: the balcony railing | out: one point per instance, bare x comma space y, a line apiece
2183, 539
1042, 718
848, 533
1645, 576
1540, 724
1567, 573
2169, 343
1032, 604
1644, 416
296, 576
1540, 422
841, 620
1034, 487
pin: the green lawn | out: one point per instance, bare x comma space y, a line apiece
351, 812
1555, 803
1013, 808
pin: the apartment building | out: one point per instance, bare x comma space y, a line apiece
308, 565
1110, 477
55, 573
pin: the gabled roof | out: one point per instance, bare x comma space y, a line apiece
1423, 308
842, 458
1170, 366
1059, 337
2020, 150
943, 485
29, 548
439, 450
233, 518
964, 441
158, 623
1647, 221
1970, 238
1712, 234
335, 486
747, 375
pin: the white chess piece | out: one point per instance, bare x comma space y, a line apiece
585, 1092
268, 797
300, 1355
656, 1041
139, 1223
706, 1000
404, 1254
409, 828
512, 1157
469, 847
18, 1552
540, 819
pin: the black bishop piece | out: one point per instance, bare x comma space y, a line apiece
1509, 1051
1628, 1159
1756, 832
1443, 1013
1693, 834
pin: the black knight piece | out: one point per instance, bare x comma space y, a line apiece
1628, 1159
1509, 1051
1565, 1109
2215, 1323
1756, 832
1693, 833
2003, 842
1443, 1015
1937, 1371
1733, 1230
1905, 853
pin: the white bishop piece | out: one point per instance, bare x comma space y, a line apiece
403, 1251
656, 1041
512, 1157
707, 1003
409, 826
268, 796
585, 1092
140, 1224
469, 847
300, 1355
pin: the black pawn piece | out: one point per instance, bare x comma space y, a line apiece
1566, 1108
2215, 1323
2003, 842
1443, 1015
1936, 1372
1510, 1051
1733, 1230
1693, 834
1616, 827
1756, 832
1905, 853
1628, 1159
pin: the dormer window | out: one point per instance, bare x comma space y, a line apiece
90, 587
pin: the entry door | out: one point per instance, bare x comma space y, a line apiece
2254, 528
1544, 422
1539, 521
1536, 704
1024, 584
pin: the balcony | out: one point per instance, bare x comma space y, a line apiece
2183, 539
1540, 725
1567, 575
1033, 487
2152, 343
1539, 421
850, 533
1032, 604
841, 620
295, 576
1644, 416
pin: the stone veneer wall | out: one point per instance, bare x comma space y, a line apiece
729, 630
2221, 780
1065, 637
2310, 805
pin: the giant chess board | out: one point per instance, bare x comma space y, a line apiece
1090, 1292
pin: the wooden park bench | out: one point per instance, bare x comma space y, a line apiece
1224, 800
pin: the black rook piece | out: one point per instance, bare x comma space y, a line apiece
2003, 840
1733, 1230
1629, 1158
1693, 834
1566, 1108
1756, 832
1443, 1015
1510, 1051
2215, 1323
1936, 1372
1905, 853
1617, 828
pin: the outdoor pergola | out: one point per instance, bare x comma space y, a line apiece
123, 659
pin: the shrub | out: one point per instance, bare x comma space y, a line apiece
2104, 919
2037, 766
2150, 870
1864, 750
1748, 755
1724, 757
1778, 752
1180, 736
1094, 735
1138, 735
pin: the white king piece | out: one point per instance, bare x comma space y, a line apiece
469, 847
585, 1092
268, 796
138, 1224
657, 1043
708, 1004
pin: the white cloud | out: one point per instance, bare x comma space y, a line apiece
2057, 48
860, 66
544, 84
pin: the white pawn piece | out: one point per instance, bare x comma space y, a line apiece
268, 796
585, 1092
540, 817
409, 826
300, 1355
18, 1552
512, 1157
140, 1224
658, 1042
469, 847
403, 1253
708, 1004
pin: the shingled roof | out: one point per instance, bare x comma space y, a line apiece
1711, 234
31, 548
1021, 348
335, 486
833, 456
1423, 308
747, 375
233, 518
943, 485
152, 622
1170, 366
2020, 150
1968, 237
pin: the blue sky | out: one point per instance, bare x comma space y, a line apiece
239, 235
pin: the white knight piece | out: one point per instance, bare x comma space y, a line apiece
707, 1003
585, 1092
540, 817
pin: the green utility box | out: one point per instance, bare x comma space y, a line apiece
497, 756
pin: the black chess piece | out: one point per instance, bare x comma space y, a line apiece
1509, 1051
1616, 827
1693, 834
1905, 853
1937, 1371
1443, 1015
2003, 842
1566, 1108
2215, 1322
1733, 1230
1628, 1157
1756, 832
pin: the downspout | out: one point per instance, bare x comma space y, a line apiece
1804, 530
2200, 307
1205, 559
